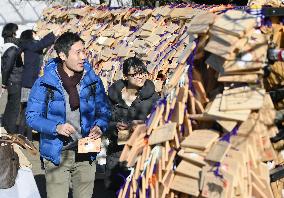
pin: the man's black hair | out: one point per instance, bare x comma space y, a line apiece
135, 63
65, 42
9, 30
27, 35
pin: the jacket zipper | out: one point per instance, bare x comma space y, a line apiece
62, 88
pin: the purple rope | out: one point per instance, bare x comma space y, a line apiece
158, 17
170, 115
139, 185
158, 46
222, 11
94, 38
172, 6
227, 136
202, 6
148, 193
182, 129
266, 21
241, 8
158, 103
281, 20
127, 195
189, 62
182, 5
216, 171
122, 185
235, 131
134, 29
155, 168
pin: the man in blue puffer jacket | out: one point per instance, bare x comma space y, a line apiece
67, 103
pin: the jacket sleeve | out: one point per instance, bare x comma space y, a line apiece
9, 59
36, 111
43, 43
103, 112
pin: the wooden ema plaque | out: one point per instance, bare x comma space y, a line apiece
163, 134
242, 98
179, 184
89, 145
213, 109
200, 139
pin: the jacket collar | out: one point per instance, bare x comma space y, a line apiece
52, 78
144, 93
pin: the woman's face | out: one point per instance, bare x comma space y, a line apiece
136, 79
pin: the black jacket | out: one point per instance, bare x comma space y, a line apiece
139, 109
33, 58
11, 63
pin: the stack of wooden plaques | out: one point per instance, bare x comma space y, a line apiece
209, 134
238, 50
175, 160
158, 36
182, 157
233, 166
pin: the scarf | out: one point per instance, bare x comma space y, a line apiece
70, 85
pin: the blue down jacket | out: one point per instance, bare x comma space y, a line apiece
94, 108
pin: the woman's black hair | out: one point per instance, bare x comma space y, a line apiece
27, 35
135, 63
9, 30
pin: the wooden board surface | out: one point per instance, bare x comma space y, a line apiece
213, 109
188, 169
242, 98
218, 151
163, 133
179, 184
200, 139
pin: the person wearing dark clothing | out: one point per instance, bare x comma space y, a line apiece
11, 70
33, 56
131, 100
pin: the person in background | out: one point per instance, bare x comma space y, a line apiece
11, 70
32, 57
68, 103
131, 100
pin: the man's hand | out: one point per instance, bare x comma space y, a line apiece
65, 129
95, 132
121, 126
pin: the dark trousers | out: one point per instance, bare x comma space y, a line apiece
115, 174
24, 129
12, 108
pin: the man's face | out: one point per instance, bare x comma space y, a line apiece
74, 61
136, 79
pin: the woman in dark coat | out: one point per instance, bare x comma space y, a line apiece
11, 70
33, 56
132, 100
